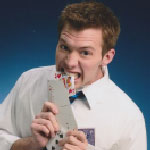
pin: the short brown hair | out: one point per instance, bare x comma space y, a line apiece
92, 15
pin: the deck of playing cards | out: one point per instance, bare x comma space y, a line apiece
59, 91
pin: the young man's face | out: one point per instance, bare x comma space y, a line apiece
80, 54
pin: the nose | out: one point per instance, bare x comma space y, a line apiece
72, 60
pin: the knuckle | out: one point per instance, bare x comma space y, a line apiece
47, 123
37, 116
45, 104
43, 129
65, 145
57, 127
82, 134
32, 126
49, 126
33, 121
71, 138
49, 116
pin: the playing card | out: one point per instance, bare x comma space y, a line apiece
58, 75
90, 135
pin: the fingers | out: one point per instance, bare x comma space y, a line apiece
70, 147
39, 128
49, 116
78, 134
44, 126
74, 140
40, 134
49, 107
70, 140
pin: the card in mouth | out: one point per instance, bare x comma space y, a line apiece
68, 82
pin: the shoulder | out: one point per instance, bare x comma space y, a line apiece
36, 75
40, 71
122, 103
127, 116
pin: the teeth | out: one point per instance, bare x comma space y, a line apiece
75, 75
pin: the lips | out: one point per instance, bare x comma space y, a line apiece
74, 74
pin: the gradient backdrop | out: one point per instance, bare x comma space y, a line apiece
28, 38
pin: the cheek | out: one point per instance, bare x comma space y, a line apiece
90, 69
87, 69
90, 66
59, 57
59, 61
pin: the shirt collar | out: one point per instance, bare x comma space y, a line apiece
95, 92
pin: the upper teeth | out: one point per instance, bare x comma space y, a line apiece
75, 75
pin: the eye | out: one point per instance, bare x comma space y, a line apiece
64, 47
85, 53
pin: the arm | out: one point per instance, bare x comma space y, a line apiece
25, 144
7, 133
139, 139
43, 128
134, 137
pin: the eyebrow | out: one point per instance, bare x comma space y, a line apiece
86, 47
62, 40
83, 47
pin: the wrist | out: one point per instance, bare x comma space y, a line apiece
43, 148
26, 144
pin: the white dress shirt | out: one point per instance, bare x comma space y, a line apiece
117, 121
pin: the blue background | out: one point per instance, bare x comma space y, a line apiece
28, 38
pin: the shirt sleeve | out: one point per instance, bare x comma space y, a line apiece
139, 141
7, 132
135, 135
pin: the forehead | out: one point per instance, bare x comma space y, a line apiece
90, 35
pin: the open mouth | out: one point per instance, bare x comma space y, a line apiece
76, 75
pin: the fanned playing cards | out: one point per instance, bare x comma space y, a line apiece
59, 91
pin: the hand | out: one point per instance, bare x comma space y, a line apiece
74, 140
45, 125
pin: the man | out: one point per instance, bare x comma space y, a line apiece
87, 34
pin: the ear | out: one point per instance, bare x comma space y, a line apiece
108, 57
